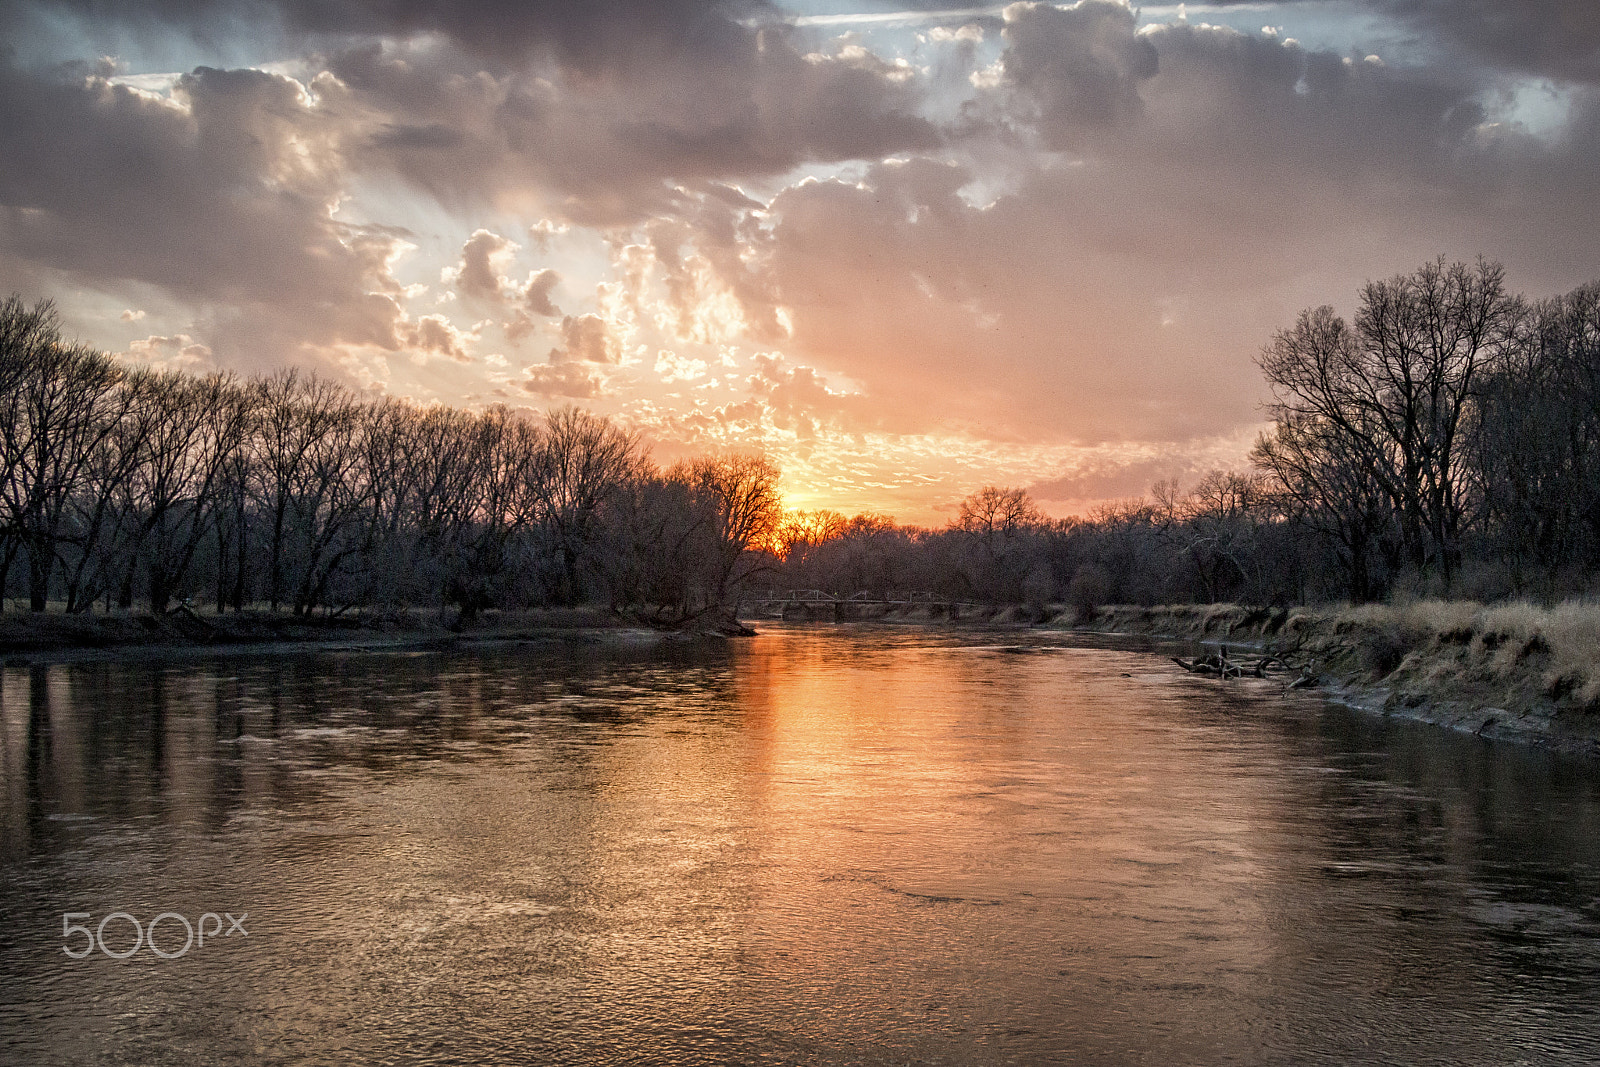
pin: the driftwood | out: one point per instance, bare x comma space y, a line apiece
1218, 664
1309, 678
188, 622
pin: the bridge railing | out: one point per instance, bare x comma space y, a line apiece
819, 596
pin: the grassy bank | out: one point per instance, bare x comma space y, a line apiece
1515, 670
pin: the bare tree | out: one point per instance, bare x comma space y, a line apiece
800, 537
995, 512
195, 425
658, 543
583, 461
502, 454
994, 522
1220, 518
1396, 392
61, 403
741, 492
1538, 442
307, 465
1328, 485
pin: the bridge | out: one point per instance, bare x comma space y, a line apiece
818, 605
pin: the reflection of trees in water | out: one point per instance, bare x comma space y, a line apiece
204, 741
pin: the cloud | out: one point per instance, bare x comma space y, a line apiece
613, 151
480, 273
597, 37
222, 196
435, 335
1549, 38
586, 339
1121, 295
574, 380
1110, 474
1082, 64
535, 293
1062, 232
673, 367
177, 352
533, 298
544, 231
480, 276
798, 399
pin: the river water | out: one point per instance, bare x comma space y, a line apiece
822, 845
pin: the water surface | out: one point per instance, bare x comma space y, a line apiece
824, 845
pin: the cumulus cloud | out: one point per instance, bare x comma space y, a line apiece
1082, 64
586, 339
533, 298
603, 152
544, 231
221, 195
434, 335
673, 367
176, 352
535, 293
480, 276
480, 273
564, 379
798, 399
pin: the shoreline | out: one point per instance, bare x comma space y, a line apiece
26, 640
1512, 673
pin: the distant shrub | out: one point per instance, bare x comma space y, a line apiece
1089, 588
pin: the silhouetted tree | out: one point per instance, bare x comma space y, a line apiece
1394, 396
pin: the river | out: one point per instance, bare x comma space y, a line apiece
826, 844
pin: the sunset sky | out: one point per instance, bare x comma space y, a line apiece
908, 249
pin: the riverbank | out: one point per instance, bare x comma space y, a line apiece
1513, 671
29, 637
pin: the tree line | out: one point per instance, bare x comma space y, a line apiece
128, 485
1445, 441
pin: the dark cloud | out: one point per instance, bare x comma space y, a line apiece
221, 197
603, 103
1552, 38
608, 152
597, 37
1263, 124
1083, 64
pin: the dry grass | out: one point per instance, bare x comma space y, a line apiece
1554, 652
